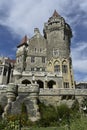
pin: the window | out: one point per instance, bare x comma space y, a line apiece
0, 70
43, 69
38, 69
40, 49
57, 68
32, 69
5, 71
35, 50
32, 59
64, 68
66, 85
43, 59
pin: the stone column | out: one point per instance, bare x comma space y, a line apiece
12, 92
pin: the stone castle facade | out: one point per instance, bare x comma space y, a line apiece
46, 59
43, 71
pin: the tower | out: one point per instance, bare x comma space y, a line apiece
21, 55
58, 35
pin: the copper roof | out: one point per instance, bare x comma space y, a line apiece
23, 41
11, 61
55, 14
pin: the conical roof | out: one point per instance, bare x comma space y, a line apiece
55, 14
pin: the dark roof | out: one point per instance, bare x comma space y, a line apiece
23, 41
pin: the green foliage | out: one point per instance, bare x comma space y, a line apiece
63, 111
84, 103
75, 106
1, 110
52, 116
24, 115
48, 114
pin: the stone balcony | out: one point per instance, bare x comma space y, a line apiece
42, 74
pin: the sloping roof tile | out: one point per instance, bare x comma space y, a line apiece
23, 41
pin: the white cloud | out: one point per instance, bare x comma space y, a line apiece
23, 16
79, 56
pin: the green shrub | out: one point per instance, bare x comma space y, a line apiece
75, 106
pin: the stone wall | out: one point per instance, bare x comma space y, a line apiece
30, 96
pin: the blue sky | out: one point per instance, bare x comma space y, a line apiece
20, 17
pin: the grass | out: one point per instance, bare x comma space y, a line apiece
79, 124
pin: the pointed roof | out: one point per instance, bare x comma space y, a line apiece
23, 41
55, 14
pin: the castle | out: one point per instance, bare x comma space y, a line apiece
43, 70
46, 59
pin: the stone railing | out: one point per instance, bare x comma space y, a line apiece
63, 91
41, 73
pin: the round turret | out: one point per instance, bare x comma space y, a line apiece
12, 92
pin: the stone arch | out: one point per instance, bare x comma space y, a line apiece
51, 83
26, 82
64, 62
57, 62
40, 83
50, 64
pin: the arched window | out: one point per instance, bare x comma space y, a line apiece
51, 83
41, 84
57, 68
26, 82
64, 67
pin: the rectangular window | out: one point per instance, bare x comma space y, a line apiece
43, 59
35, 50
57, 68
43, 69
0, 70
5, 71
66, 85
32, 69
64, 68
38, 69
32, 59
